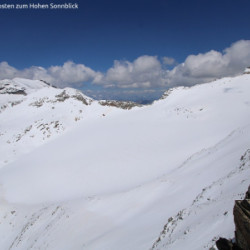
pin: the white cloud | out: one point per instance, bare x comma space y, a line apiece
6, 71
72, 73
168, 60
67, 74
145, 71
213, 64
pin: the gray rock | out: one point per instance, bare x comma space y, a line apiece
242, 223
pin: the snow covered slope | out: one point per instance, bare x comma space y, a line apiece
33, 112
163, 176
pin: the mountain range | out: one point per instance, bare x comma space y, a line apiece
77, 173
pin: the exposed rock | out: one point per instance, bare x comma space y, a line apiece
77, 96
12, 91
242, 223
120, 104
169, 91
62, 96
241, 213
247, 196
168, 229
49, 84
224, 244
39, 103
166, 94
80, 98
16, 103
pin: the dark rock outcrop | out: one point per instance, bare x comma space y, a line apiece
241, 214
247, 196
119, 104
62, 96
225, 244
242, 223
49, 84
80, 98
77, 96
12, 91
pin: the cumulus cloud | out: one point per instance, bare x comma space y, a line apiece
144, 72
147, 71
168, 60
6, 71
213, 64
67, 74
72, 73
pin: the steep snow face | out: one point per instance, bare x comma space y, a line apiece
158, 177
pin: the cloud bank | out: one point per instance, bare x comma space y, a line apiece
66, 75
213, 64
145, 72
168, 60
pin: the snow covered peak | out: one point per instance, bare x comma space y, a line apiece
20, 86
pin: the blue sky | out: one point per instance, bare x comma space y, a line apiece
102, 32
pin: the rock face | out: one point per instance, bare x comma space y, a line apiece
224, 244
241, 213
242, 222
248, 193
